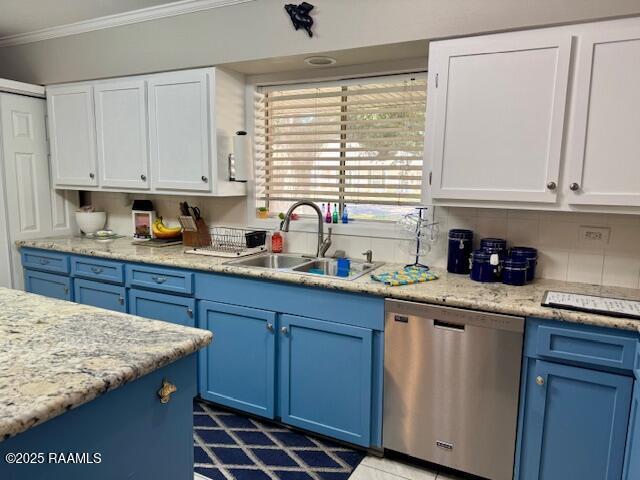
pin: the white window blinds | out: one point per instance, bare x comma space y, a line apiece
353, 142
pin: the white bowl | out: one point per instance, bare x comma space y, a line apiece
91, 222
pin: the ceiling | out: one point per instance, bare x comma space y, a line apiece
22, 16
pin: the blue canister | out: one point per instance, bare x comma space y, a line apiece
529, 254
497, 247
514, 271
459, 251
481, 268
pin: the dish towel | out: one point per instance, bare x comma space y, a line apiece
408, 276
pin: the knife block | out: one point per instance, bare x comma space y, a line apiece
199, 238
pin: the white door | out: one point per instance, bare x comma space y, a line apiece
604, 142
495, 116
72, 135
179, 131
121, 132
33, 209
5, 242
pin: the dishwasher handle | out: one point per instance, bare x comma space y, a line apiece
456, 327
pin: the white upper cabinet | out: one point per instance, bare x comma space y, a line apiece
168, 133
180, 131
496, 110
604, 146
122, 140
72, 135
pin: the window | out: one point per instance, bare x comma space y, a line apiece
357, 143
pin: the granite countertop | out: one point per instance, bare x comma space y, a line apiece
57, 355
449, 289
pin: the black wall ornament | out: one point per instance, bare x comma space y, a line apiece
300, 16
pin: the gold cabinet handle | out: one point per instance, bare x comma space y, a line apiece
166, 390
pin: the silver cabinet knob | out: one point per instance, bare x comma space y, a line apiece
190, 312
121, 300
574, 186
270, 326
540, 380
204, 179
284, 330
552, 185
92, 175
143, 177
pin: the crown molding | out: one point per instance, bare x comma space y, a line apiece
119, 19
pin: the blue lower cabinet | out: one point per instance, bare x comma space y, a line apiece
48, 284
325, 378
632, 458
161, 306
238, 368
135, 435
103, 295
575, 423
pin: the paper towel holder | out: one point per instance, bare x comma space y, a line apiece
231, 159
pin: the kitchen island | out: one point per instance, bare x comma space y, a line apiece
81, 392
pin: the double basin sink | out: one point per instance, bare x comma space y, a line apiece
306, 265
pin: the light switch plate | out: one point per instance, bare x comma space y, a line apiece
594, 237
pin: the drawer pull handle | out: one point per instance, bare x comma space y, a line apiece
166, 390
121, 300
97, 269
190, 312
66, 290
159, 280
540, 380
44, 261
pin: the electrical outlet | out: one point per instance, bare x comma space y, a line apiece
594, 237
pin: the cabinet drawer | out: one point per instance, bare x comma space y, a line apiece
582, 345
103, 295
162, 306
48, 284
45, 260
96, 269
161, 279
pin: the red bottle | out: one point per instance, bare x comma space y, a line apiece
277, 242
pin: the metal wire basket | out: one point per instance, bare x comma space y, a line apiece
233, 242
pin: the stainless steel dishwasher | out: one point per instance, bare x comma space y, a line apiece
451, 386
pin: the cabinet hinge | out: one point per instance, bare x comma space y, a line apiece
437, 76
430, 177
46, 128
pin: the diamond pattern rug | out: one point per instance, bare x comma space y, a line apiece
228, 446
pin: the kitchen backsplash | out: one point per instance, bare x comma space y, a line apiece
562, 255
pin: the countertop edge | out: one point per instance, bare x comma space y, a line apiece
380, 290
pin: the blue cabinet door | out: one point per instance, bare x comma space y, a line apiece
103, 295
575, 423
238, 368
632, 458
325, 378
48, 284
161, 306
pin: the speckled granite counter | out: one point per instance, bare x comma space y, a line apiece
57, 355
451, 290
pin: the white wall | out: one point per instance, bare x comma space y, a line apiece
555, 234
261, 29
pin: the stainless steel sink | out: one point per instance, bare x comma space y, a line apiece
273, 261
305, 265
329, 267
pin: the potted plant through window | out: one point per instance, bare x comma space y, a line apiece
263, 212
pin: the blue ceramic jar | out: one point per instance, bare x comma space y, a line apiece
514, 271
481, 268
459, 251
497, 248
530, 255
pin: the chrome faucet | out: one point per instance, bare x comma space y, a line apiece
323, 243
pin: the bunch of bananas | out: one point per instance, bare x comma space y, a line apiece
160, 230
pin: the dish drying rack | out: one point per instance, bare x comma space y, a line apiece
232, 242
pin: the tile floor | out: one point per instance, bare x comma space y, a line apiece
373, 468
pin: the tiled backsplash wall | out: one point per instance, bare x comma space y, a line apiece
562, 255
